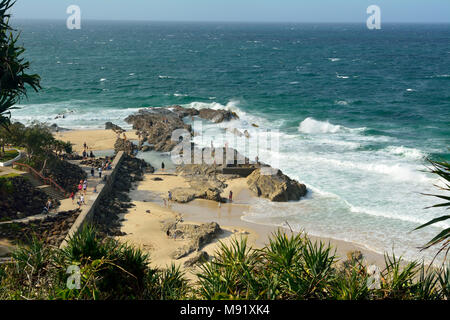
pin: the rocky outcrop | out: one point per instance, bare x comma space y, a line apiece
156, 125
124, 145
111, 126
205, 180
55, 128
277, 187
198, 236
19, 199
217, 116
96, 162
184, 195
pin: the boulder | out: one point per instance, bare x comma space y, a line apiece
124, 145
198, 236
114, 127
276, 187
217, 116
184, 195
198, 258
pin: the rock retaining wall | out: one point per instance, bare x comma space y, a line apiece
103, 188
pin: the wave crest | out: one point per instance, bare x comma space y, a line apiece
313, 126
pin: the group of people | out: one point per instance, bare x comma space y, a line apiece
81, 189
85, 153
106, 165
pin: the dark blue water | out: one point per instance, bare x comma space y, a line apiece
357, 109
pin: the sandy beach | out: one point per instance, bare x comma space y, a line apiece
95, 139
143, 223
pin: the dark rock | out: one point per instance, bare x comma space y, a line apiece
157, 125
20, 199
124, 145
217, 116
111, 126
51, 230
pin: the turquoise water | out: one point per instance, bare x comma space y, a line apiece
357, 110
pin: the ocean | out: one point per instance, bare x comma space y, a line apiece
356, 111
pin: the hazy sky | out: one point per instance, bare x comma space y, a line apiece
239, 10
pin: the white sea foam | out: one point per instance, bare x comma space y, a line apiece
334, 59
312, 126
77, 114
341, 77
406, 152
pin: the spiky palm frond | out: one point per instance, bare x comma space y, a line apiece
13, 67
442, 169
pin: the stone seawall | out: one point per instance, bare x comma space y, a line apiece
103, 188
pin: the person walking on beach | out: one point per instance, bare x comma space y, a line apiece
85, 186
72, 196
82, 200
163, 166
230, 197
170, 196
92, 171
100, 172
80, 186
84, 154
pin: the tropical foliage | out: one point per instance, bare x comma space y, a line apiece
289, 268
13, 67
36, 139
442, 169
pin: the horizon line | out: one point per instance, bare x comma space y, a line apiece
232, 21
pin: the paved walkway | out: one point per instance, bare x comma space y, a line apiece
8, 170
